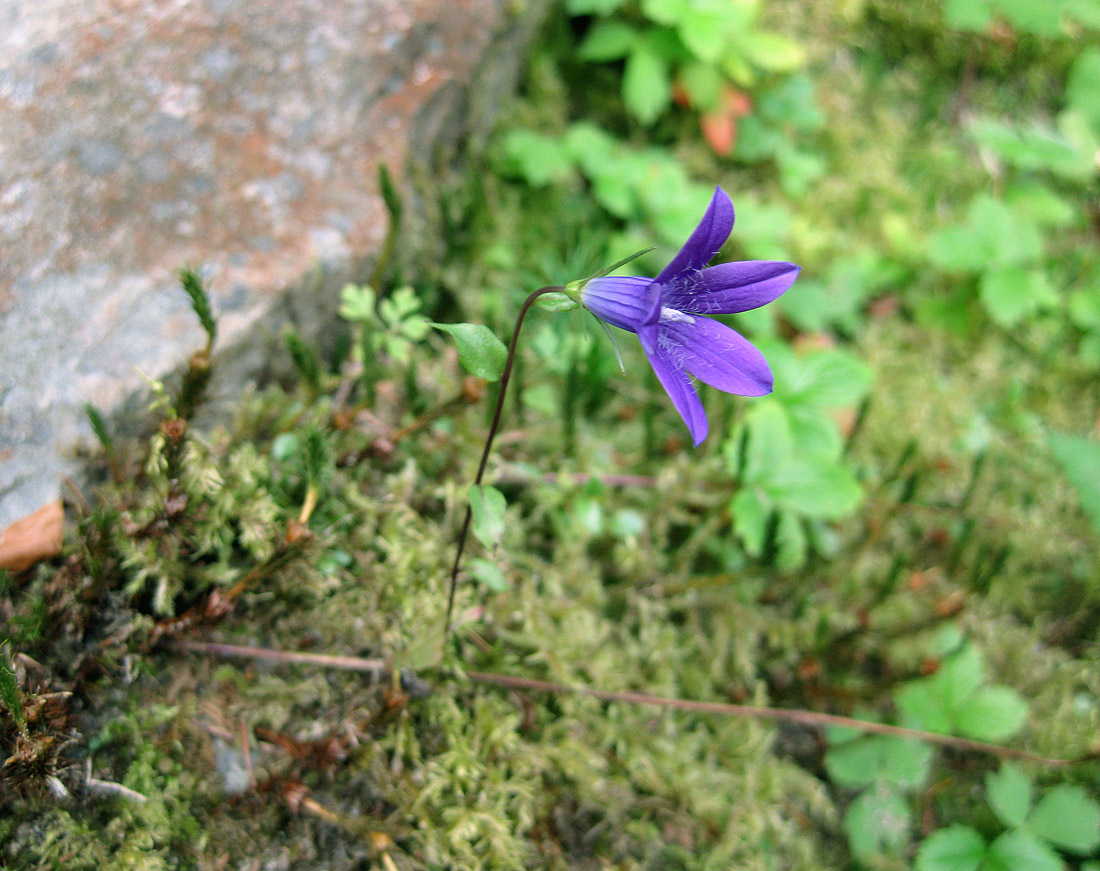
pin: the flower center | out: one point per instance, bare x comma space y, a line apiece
675, 316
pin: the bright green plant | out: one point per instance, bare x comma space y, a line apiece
1003, 247
390, 326
788, 455
1079, 459
647, 188
1065, 818
885, 769
957, 700
784, 115
702, 45
1040, 19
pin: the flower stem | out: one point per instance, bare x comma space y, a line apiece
493, 427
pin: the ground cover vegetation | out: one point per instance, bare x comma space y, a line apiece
239, 659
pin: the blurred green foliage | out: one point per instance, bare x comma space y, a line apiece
904, 531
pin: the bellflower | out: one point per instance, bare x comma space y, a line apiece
667, 314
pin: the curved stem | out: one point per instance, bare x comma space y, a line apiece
493, 427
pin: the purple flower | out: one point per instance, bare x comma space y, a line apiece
666, 311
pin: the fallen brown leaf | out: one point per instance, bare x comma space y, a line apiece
33, 538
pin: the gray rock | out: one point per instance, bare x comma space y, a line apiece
241, 137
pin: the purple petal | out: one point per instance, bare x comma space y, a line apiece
716, 355
682, 393
730, 287
622, 301
705, 241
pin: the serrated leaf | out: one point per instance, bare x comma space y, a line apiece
1068, 818
878, 820
959, 676
826, 379
956, 848
487, 505
1017, 850
357, 303
1014, 293
769, 439
1079, 459
814, 487
922, 707
646, 85
1009, 792
479, 350
898, 761
992, 713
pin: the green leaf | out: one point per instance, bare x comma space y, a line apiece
993, 235
967, 14
992, 713
487, 506
1033, 148
750, 520
1017, 850
769, 440
592, 7
959, 676
1013, 293
489, 574
608, 41
357, 304
537, 159
1010, 236
1068, 818
899, 761
1084, 84
703, 83
1084, 307
790, 542
705, 31
878, 820
646, 85
957, 248
1042, 19
1047, 208
665, 12
479, 350
956, 848
772, 52
826, 379
922, 707
1079, 459
814, 487
1009, 791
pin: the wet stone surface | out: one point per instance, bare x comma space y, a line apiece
240, 137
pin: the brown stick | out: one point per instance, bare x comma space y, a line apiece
806, 718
